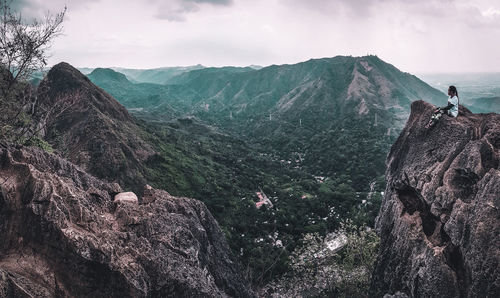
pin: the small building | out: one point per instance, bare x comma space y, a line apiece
263, 200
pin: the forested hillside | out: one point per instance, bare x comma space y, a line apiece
311, 136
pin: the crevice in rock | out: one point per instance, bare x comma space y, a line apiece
489, 160
464, 182
431, 225
410, 198
455, 260
451, 157
434, 232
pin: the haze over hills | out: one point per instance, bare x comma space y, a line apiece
155, 75
470, 85
484, 104
480, 92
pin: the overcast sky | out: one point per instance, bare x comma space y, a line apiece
414, 35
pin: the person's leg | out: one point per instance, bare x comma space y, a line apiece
434, 119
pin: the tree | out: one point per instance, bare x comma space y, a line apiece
23, 50
338, 265
24, 46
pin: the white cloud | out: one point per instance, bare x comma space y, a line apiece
415, 36
176, 10
491, 13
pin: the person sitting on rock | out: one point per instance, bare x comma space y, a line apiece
451, 109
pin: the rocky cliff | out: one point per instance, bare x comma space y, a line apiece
64, 235
440, 221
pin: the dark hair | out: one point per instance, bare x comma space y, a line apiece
453, 89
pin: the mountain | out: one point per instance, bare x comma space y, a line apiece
143, 99
469, 85
307, 107
67, 234
484, 104
90, 128
199, 77
330, 87
155, 75
107, 75
439, 223
335, 115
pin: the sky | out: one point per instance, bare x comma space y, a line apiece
416, 36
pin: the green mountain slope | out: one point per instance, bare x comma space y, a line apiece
140, 98
483, 104
335, 115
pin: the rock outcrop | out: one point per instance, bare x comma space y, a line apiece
63, 236
440, 221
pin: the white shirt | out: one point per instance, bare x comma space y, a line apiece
454, 110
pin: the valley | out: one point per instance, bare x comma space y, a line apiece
223, 134
230, 148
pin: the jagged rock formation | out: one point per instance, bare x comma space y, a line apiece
63, 236
90, 128
440, 221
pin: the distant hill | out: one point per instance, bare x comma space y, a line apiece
104, 75
156, 75
484, 104
469, 85
140, 98
198, 76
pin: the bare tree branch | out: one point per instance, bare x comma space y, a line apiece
23, 50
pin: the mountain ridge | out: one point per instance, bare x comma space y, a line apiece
91, 128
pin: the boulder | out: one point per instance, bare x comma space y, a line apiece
126, 197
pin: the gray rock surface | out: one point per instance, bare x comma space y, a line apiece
62, 236
440, 221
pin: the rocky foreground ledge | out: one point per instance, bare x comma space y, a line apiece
63, 235
440, 217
